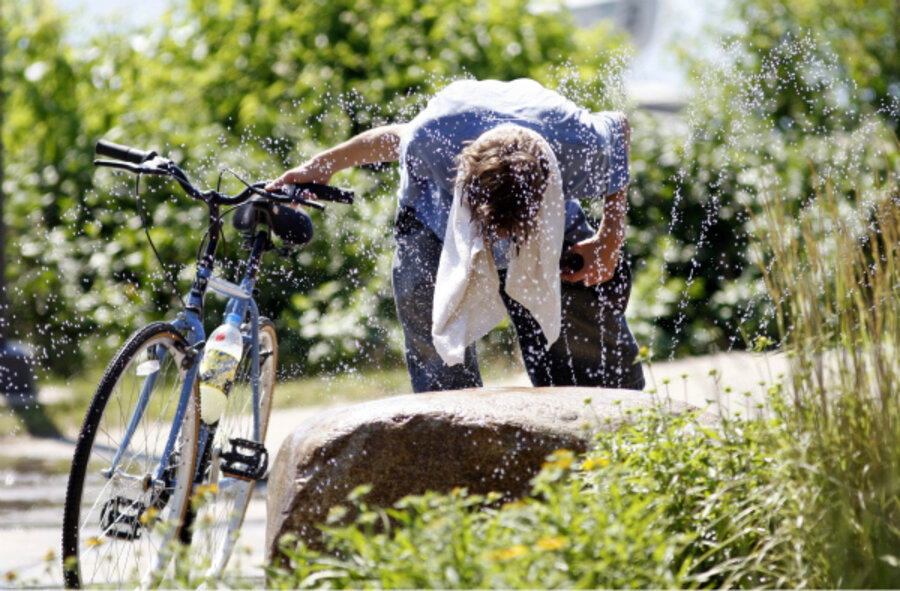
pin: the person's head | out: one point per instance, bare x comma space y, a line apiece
502, 175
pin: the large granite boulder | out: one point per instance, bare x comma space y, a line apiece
487, 439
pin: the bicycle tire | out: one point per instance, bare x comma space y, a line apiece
118, 528
220, 503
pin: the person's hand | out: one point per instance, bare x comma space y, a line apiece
312, 171
600, 260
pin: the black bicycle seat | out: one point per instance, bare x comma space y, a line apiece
291, 225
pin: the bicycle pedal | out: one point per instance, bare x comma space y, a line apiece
121, 518
246, 459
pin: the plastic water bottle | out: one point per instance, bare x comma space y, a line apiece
218, 366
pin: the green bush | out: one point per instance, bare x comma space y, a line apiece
258, 85
800, 85
251, 85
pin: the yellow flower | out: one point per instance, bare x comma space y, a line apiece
595, 462
148, 515
49, 556
94, 542
554, 543
11, 575
513, 505
561, 458
203, 490
509, 553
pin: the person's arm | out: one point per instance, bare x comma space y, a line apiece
381, 144
601, 251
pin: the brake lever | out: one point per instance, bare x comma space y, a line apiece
308, 203
159, 165
117, 164
132, 168
325, 192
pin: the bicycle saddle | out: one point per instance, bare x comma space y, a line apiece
291, 225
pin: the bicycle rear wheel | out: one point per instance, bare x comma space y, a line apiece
221, 500
126, 498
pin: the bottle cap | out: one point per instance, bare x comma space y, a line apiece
233, 319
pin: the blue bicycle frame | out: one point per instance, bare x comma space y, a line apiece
190, 322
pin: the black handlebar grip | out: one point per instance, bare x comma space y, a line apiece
112, 150
324, 192
571, 262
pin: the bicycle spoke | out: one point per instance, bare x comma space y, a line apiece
125, 502
219, 519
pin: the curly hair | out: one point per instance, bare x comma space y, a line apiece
503, 175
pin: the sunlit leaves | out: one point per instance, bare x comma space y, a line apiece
254, 85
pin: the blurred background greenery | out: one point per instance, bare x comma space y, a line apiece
257, 85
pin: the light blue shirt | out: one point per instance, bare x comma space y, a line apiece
589, 147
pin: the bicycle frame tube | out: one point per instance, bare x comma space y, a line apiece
240, 303
139, 409
190, 324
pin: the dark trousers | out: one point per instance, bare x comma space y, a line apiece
595, 346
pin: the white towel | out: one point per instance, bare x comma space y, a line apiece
467, 302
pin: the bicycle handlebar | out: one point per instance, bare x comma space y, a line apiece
133, 155
325, 192
139, 161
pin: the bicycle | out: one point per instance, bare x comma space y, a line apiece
144, 456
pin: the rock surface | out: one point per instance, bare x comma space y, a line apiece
485, 439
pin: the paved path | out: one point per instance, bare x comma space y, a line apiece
31, 499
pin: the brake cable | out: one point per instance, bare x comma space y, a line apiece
218, 223
146, 225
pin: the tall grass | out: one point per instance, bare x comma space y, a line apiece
832, 268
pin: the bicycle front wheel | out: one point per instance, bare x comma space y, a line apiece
221, 501
133, 466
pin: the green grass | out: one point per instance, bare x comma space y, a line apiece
65, 412
346, 387
371, 383
63, 415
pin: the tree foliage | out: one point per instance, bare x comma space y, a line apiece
823, 64
259, 85
255, 86
796, 86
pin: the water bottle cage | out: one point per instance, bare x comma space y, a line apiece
246, 459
